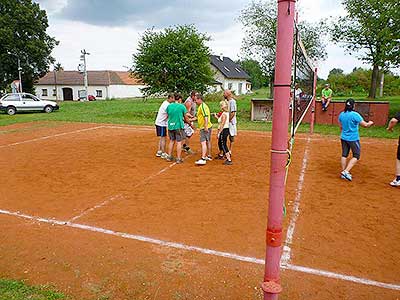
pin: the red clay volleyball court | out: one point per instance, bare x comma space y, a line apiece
91, 210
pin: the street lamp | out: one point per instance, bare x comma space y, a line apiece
19, 70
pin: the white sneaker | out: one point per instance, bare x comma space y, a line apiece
209, 158
395, 182
164, 155
158, 154
346, 175
201, 162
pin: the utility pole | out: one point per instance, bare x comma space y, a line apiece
19, 70
85, 75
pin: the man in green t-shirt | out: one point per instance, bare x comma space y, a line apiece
176, 118
326, 97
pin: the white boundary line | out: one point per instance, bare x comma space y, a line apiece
202, 250
51, 136
104, 203
286, 255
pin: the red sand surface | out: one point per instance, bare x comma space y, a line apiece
109, 178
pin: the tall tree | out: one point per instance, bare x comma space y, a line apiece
371, 29
175, 59
260, 20
253, 68
23, 36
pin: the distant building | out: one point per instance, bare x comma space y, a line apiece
68, 85
229, 75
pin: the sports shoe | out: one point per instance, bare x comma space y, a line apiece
170, 158
228, 162
209, 158
201, 162
219, 156
159, 153
395, 182
164, 155
346, 175
179, 160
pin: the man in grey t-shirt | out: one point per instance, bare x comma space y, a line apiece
232, 117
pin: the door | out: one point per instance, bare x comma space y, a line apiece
29, 102
67, 94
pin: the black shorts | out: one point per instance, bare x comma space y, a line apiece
354, 146
176, 135
398, 150
161, 130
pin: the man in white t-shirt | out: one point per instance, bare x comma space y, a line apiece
161, 126
232, 118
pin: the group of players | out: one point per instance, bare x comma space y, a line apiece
176, 117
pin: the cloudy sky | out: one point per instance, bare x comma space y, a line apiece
110, 30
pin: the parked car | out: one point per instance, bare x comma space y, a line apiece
12, 103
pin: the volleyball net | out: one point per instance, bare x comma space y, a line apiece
302, 90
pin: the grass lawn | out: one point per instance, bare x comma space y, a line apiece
18, 290
139, 112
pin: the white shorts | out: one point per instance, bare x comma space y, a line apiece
188, 130
232, 129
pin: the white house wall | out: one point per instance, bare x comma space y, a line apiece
226, 82
113, 91
125, 91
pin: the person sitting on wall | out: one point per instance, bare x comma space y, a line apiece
326, 97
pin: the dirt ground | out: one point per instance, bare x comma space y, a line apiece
108, 177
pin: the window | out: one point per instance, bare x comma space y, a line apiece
27, 97
12, 97
99, 93
54, 92
44, 92
237, 70
240, 88
227, 69
230, 86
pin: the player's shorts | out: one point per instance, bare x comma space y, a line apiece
161, 130
354, 146
232, 132
188, 130
205, 136
176, 135
398, 150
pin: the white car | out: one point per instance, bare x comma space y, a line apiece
11, 103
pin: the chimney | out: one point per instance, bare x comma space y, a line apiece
221, 57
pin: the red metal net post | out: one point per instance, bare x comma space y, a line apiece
283, 67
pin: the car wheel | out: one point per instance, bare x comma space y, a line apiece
48, 109
11, 110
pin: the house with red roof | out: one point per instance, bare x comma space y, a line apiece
69, 85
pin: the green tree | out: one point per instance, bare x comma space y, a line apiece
260, 21
175, 59
373, 27
253, 68
23, 35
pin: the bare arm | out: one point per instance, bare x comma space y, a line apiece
366, 124
232, 115
206, 123
391, 124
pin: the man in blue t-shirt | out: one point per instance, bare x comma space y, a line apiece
350, 138
392, 123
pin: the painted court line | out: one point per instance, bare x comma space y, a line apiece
203, 250
89, 210
51, 136
285, 259
104, 203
